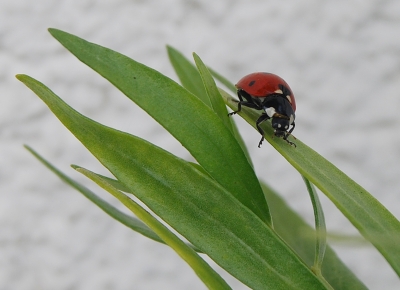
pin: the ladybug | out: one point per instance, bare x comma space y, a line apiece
270, 93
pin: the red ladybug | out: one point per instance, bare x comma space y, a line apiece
270, 93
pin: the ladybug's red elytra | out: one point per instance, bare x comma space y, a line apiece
270, 93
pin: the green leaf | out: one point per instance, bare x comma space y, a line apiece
188, 74
320, 228
123, 218
191, 80
187, 118
190, 201
217, 103
366, 213
301, 238
207, 274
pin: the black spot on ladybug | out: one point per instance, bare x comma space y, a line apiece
251, 83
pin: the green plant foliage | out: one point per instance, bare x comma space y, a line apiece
127, 220
289, 225
190, 201
216, 102
187, 118
301, 238
207, 274
365, 212
320, 228
188, 75
218, 205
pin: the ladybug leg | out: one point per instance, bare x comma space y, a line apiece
245, 100
291, 130
239, 105
261, 119
290, 142
288, 134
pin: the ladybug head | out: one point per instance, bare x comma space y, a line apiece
280, 125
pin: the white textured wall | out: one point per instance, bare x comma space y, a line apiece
341, 58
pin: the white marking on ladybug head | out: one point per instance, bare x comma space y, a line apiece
270, 111
289, 98
291, 119
279, 91
286, 127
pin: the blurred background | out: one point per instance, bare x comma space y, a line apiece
341, 59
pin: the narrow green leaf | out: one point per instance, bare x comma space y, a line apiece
187, 118
366, 213
320, 228
188, 74
185, 69
352, 240
301, 238
223, 80
115, 183
217, 103
195, 205
123, 218
207, 274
